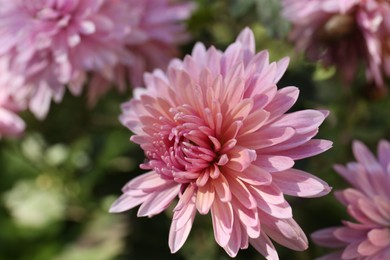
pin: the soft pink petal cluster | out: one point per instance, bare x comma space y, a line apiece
368, 202
55, 43
11, 125
12, 101
217, 137
344, 33
157, 29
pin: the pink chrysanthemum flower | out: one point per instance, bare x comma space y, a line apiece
343, 33
368, 202
55, 42
216, 136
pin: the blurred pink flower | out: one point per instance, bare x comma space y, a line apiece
54, 43
368, 202
11, 125
12, 101
157, 29
344, 33
216, 134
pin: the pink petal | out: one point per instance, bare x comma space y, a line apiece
281, 210
309, 149
301, 184
234, 243
158, 202
357, 214
177, 238
302, 121
181, 226
241, 192
40, 103
205, 198
234, 86
257, 64
149, 182
126, 202
265, 247
10, 123
266, 137
265, 82
349, 235
185, 197
281, 68
383, 206
255, 175
345, 173
292, 142
366, 248
349, 196
199, 53
254, 122
366, 158
326, 237
248, 217
274, 163
232, 56
286, 232
185, 214
214, 61
369, 209
222, 189
285, 98
384, 153
269, 193
359, 177
350, 252
222, 217
247, 39
250, 220
241, 159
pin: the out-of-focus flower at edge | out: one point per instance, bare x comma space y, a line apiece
368, 202
216, 134
55, 43
344, 33
10, 123
12, 101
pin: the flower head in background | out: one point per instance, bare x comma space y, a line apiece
54, 43
157, 29
344, 33
217, 136
368, 202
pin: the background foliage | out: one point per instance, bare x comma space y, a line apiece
59, 180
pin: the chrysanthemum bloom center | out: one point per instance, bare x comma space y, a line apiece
338, 27
188, 147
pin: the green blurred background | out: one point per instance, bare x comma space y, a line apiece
59, 180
